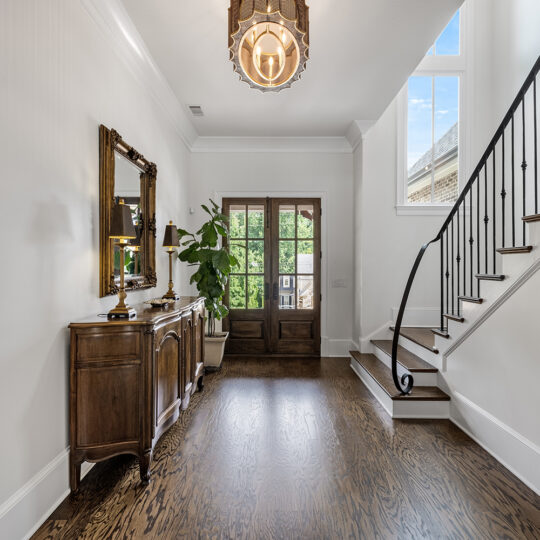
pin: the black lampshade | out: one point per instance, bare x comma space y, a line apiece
170, 240
121, 222
136, 242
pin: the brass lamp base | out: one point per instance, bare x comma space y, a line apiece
124, 312
171, 295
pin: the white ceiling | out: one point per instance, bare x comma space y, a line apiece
361, 53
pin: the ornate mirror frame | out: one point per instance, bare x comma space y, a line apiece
110, 142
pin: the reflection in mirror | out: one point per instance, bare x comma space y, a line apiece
127, 186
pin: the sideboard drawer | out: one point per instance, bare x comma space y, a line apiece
108, 344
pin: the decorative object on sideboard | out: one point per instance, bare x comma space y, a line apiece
214, 264
126, 174
269, 42
122, 230
160, 303
171, 241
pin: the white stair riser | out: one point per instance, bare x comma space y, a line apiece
423, 353
401, 408
420, 379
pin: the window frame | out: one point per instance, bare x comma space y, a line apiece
434, 66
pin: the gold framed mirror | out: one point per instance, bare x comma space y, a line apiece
126, 174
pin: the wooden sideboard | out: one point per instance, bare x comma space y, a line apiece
129, 379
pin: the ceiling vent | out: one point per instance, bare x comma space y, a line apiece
196, 110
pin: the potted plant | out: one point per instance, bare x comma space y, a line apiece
214, 263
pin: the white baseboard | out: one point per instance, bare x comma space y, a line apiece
336, 347
27, 509
518, 454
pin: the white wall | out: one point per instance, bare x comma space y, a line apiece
318, 174
388, 243
59, 79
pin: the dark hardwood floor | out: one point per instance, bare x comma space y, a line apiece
287, 449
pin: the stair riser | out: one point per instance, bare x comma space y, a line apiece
533, 233
423, 353
420, 379
401, 409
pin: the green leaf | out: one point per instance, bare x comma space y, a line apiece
221, 261
205, 208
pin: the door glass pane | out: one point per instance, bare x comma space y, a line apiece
305, 257
238, 249
286, 256
305, 292
255, 292
237, 221
445, 150
287, 292
237, 292
255, 221
305, 221
256, 256
286, 221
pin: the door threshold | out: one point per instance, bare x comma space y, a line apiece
246, 356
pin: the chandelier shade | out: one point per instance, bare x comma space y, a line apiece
269, 41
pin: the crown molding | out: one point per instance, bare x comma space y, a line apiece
328, 145
357, 132
116, 25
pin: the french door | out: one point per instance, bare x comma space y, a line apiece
274, 295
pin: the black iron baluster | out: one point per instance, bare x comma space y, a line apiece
471, 238
513, 189
494, 217
464, 247
486, 218
503, 195
524, 165
535, 151
478, 232
452, 259
447, 275
458, 261
442, 286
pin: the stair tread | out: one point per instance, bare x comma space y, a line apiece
419, 335
406, 358
518, 249
457, 318
531, 218
491, 277
382, 375
473, 299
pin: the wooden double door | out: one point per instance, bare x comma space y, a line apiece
274, 296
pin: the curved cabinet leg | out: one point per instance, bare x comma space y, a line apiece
200, 383
144, 466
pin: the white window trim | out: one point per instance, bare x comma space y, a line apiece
433, 66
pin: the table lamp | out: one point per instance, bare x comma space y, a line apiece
171, 241
123, 230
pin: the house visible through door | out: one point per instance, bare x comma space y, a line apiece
274, 295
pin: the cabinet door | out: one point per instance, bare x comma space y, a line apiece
168, 392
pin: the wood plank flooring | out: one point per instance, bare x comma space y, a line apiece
299, 449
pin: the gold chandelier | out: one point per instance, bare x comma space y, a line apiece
269, 41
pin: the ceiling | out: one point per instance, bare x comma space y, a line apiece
361, 53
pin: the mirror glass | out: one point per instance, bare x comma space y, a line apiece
127, 186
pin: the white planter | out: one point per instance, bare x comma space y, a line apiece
214, 347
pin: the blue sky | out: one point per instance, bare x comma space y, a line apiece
422, 91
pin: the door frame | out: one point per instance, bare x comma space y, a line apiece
218, 196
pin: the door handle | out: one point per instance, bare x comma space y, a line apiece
275, 291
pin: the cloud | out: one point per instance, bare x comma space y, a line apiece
443, 111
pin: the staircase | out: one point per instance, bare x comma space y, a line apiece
489, 245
